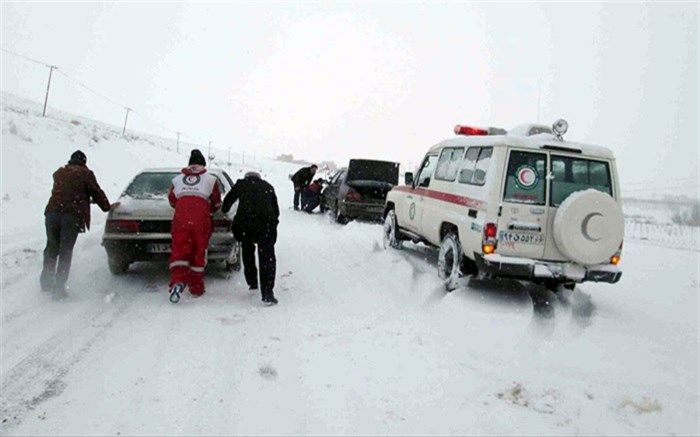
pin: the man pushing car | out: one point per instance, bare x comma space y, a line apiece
195, 196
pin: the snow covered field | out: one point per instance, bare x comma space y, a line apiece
364, 341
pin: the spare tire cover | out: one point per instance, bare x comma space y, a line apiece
589, 227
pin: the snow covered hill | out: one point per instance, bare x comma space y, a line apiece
364, 341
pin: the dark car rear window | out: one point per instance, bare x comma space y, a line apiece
368, 170
148, 185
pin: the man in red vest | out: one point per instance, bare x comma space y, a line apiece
195, 195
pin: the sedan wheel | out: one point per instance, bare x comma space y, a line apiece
117, 265
450, 261
233, 263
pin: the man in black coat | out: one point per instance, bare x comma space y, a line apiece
256, 223
301, 179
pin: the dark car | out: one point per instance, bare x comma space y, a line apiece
359, 191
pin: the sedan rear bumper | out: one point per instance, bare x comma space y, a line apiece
153, 247
365, 211
520, 268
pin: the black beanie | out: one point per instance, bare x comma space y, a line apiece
78, 157
197, 158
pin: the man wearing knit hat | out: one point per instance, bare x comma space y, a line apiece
195, 196
255, 224
67, 214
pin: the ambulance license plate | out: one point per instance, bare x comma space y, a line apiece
517, 237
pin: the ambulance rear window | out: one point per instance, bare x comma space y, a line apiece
577, 174
525, 180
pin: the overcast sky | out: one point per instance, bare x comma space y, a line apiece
335, 81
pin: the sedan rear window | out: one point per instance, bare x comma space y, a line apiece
149, 185
576, 174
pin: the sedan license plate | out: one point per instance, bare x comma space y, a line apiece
158, 248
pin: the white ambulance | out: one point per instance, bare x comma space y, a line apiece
524, 204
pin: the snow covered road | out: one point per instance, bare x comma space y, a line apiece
364, 341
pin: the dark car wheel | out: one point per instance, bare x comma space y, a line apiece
117, 264
339, 216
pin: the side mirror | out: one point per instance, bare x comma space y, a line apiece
408, 178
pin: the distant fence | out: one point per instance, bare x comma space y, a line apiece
664, 234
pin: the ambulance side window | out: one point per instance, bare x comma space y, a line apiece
426, 171
449, 163
476, 165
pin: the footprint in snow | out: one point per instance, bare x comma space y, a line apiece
268, 372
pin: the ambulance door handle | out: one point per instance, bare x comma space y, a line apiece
473, 213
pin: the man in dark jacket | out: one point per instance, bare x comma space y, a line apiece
67, 214
256, 223
301, 179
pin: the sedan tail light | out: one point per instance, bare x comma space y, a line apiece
123, 226
353, 196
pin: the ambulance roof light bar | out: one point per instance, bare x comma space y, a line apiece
478, 131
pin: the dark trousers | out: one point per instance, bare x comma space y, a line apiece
310, 200
61, 233
265, 242
297, 194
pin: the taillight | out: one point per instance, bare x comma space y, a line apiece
123, 226
488, 245
353, 196
490, 231
615, 259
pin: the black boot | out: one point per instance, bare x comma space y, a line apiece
269, 299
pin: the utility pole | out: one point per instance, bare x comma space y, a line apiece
125, 120
177, 148
48, 86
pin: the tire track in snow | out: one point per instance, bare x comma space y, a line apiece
39, 377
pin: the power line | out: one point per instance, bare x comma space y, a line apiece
25, 57
81, 84
96, 93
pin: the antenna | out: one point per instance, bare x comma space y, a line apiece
539, 99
